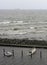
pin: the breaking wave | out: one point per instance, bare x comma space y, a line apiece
5, 22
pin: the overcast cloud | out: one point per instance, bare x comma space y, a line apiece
23, 4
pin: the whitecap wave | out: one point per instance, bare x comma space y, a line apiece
32, 27
13, 21
20, 32
4, 22
19, 21
15, 32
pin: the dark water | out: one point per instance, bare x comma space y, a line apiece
30, 24
26, 59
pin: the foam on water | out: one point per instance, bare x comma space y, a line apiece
23, 28
5, 22
19, 32
20, 22
32, 27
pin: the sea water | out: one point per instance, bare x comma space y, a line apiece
30, 24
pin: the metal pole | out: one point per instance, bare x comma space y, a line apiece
4, 52
22, 53
13, 52
31, 55
40, 54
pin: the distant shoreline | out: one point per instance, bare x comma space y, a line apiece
23, 43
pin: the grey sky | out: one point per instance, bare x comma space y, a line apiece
23, 4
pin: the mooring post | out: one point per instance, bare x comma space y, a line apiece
40, 54
13, 52
22, 53
31, 55
4, 52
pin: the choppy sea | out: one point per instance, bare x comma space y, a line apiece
30, 24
